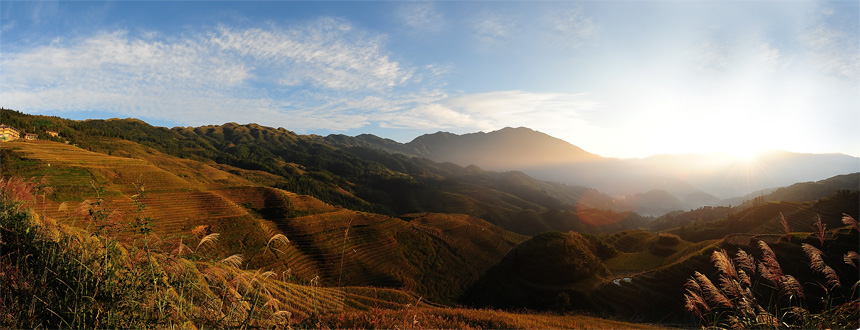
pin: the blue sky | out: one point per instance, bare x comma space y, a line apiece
617, 78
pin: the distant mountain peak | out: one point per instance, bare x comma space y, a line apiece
508, 148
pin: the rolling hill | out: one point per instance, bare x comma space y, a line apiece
341, 246
353, 177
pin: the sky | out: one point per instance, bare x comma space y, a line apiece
616, 78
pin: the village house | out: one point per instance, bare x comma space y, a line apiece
52, 133
30, 136
9, 133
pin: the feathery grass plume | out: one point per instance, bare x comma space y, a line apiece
64, 207
712, 294
789, 286
729, 278
721, 260
820, 229
280, 238
814, 255
211, 238
693, 285
832, 278
234, 260
84, 207
745, 261
181, 250
849, 220
744, 278
852, 258
731, 287
785, 226
17, 191
748, 301
817, 263
269, 274
694, 303
768, 266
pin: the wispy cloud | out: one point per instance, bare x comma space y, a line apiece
323, 75
328, 53
571, 27
492, 30
835, 51
421, 16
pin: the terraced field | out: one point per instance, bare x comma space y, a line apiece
338, 246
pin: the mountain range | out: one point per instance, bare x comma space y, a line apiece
691, 180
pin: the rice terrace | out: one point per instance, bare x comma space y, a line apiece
429, 165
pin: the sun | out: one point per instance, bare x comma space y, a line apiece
745, 153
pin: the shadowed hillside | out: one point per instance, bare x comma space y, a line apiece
552, 270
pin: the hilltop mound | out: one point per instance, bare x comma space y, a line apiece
550, 270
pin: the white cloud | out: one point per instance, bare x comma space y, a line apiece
554, 113
325, 75
328, 53
422, 16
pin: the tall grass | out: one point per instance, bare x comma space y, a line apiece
55, 276
752, 293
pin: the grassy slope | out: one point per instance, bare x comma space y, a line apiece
354, 177
428, 256
430, 253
